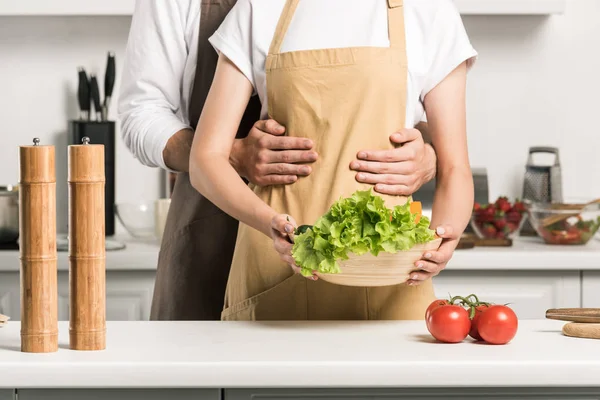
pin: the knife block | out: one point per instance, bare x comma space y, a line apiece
87, 257
37, 225
100, 132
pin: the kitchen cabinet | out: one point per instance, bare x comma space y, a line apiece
591, 289
119, 394
510, 7
126, 7
128, 295
7, 394
422, 394
530, 293
67, 7
10, 295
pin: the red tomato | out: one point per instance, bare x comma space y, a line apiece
450, 324
498, 324
474, 332
434, 305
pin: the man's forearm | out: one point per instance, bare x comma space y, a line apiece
177, 151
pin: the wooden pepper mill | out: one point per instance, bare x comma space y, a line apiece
87, 269
37, 247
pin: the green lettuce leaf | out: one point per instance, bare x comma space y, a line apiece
358, 225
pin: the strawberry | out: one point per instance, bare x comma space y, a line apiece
489, 231
500, 235
511, 226
503, 204
485, 214
518, 207
513, 216
476, 207
500, 224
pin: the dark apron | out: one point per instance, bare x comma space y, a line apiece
198, 241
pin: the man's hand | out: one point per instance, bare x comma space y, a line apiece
401, 171
266, 158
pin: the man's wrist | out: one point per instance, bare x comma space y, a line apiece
176, 153
431, 162
236, 156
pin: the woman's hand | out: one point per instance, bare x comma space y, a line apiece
433, 262
282, 232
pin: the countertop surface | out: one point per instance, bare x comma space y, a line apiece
301, 354
525, 254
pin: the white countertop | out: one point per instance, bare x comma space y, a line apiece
525, 254
305, 354
529, 253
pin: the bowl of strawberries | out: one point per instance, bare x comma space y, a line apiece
502, 219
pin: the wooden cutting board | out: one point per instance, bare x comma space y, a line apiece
582, 330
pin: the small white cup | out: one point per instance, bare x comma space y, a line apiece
161, 209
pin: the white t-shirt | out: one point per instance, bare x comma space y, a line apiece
436, 39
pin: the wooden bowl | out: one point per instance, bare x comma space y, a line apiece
384, 270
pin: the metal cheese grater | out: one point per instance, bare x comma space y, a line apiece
543, 183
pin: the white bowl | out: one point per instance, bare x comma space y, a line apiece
138, 219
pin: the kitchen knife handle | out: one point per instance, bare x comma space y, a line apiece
109, 84
109, 78
83, 94
95, 91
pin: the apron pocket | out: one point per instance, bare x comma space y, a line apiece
283, 302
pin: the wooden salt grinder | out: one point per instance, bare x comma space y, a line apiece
37, 247
87, 258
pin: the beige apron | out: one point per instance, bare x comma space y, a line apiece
346, 100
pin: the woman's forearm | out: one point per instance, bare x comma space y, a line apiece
213, 176
211, 172
453, 200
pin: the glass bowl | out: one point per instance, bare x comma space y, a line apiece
137, 218
565, 224
495, 221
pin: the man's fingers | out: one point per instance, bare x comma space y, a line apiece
386, 179
271, 180
285, 143
406, 135
404, 153
270, 126
286, 169
291, 156
394, 190
376, 167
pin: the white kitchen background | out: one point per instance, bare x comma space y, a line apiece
536, 82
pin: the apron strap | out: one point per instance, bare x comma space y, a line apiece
395, 24
282, 26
